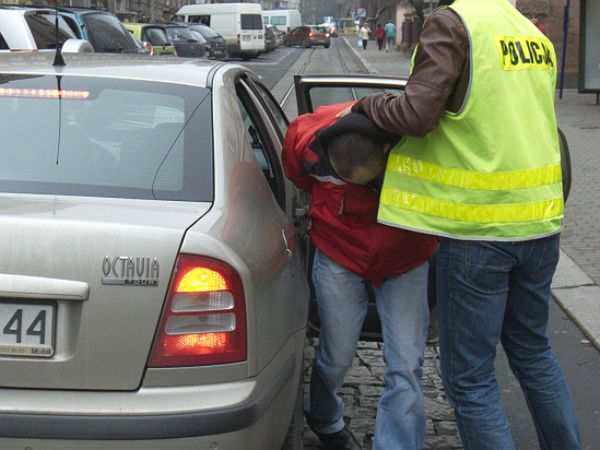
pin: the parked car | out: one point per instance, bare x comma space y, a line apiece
308, 36
152, 293
102, 29
278, 34
270, 40
186, 44
153, 37
23, 28
218, 45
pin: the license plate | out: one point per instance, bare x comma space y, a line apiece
27, 329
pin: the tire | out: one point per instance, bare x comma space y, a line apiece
326, 46
565, 162
294, 439
306, 44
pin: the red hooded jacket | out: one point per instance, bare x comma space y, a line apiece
344, 215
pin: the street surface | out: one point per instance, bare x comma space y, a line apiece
576, 283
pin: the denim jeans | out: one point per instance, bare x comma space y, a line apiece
491, 292
402, 306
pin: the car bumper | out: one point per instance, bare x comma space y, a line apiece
318, 42
180, 417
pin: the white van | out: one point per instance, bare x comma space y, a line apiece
285, 19
239, 23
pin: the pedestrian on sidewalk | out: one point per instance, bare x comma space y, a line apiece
340, 162
364, 34
487, 181
380, 36
390, 36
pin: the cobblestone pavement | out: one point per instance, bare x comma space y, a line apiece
362, 388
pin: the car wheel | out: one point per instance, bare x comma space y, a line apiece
306, 44
246, 57
294, 439
327, 46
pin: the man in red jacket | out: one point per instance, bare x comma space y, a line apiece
335, 160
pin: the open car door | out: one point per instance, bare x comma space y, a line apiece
317, 90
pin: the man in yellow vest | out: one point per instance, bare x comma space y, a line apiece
479, 166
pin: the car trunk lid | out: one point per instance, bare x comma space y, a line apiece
97, 271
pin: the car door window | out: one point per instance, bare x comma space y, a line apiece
273, 108
315, 91
258, 137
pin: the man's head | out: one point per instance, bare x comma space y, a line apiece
357, 158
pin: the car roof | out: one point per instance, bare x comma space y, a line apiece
192, 71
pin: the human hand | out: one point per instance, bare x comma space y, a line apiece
344, 112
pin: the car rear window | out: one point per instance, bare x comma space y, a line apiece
105, 137
107, 34
251, 22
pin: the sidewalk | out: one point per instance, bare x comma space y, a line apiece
575, 291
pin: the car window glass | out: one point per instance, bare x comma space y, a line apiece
207, 32
273, 107
203, 19
107, 34
156, 36
3, 44
73, 26
44, 33
258, 139
180, 34
198, 36
278, 20
106, 137
327, 95
251, 22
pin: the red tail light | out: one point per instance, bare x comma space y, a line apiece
311, 34
204, 319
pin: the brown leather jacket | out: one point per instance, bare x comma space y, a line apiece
439, 80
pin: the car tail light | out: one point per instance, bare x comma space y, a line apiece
204, 318
326, 34
311, 34
239, 39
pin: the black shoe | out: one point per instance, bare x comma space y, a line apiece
340, 440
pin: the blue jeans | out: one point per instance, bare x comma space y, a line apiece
402, 307
491, 292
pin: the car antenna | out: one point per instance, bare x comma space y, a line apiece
58, 58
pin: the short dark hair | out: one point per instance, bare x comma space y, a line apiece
349, 151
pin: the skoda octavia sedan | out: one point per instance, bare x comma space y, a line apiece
152, 285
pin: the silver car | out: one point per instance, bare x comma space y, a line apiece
152, 285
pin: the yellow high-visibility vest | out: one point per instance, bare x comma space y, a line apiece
492, 170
